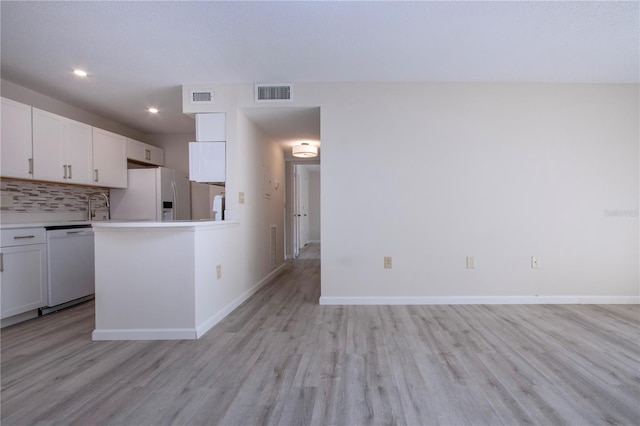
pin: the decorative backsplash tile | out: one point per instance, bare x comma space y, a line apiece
39, 197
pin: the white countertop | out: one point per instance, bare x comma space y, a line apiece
120, 224
168, 224
43, 224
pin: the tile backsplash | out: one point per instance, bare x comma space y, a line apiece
42, 197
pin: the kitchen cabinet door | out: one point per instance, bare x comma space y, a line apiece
48, 147
155, 155
79, 152
16, 149
109, 159
62, 149
141, 152
211, 127
24, 279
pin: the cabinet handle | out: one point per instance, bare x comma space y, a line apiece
96, 173
23, 237
69, 171
65, 171
30, 166
1, 262
147, 154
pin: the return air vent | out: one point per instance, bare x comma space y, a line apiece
273, 93
201, 97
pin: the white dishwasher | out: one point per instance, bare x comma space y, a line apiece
70, 266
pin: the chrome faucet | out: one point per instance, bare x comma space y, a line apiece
90, 197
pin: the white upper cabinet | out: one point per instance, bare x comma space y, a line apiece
62, 149
109, 159
16, 149
144, 153
207, 162
211, 127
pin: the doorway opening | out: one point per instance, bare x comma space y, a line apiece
303, 213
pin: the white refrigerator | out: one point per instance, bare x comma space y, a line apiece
156, 194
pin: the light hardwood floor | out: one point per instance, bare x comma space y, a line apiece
281, 358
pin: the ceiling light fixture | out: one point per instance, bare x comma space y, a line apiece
80, 73
153, 110
304, 150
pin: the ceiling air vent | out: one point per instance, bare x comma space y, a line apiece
201, 96
273, 93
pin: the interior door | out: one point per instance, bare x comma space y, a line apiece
303, 209
296, 212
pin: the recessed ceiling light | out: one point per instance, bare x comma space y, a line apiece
153, 110
80, 73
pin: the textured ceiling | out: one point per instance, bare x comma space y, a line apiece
138, 54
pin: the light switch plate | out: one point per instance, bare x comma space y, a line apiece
219, 271
240, 197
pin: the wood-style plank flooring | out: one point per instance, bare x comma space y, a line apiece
281, 358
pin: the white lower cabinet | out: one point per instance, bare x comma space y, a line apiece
23, 267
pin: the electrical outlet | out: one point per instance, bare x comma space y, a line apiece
240, 197
219, 271
387, 262
471, 262
535, 262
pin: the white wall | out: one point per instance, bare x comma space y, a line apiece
176, 149
500, 172
259, 169
314, 206
432, 173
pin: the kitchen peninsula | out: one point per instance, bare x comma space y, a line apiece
164, 280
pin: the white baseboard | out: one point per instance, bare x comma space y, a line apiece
145, 334
482, 300
219, 316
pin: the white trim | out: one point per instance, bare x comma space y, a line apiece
481, 300
220, 315
145, 334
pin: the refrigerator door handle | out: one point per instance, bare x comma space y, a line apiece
175, 200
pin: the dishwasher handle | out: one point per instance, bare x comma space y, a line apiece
80, 232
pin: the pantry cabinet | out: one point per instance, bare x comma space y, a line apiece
141, 152
109, 159
62, 149
16, 150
